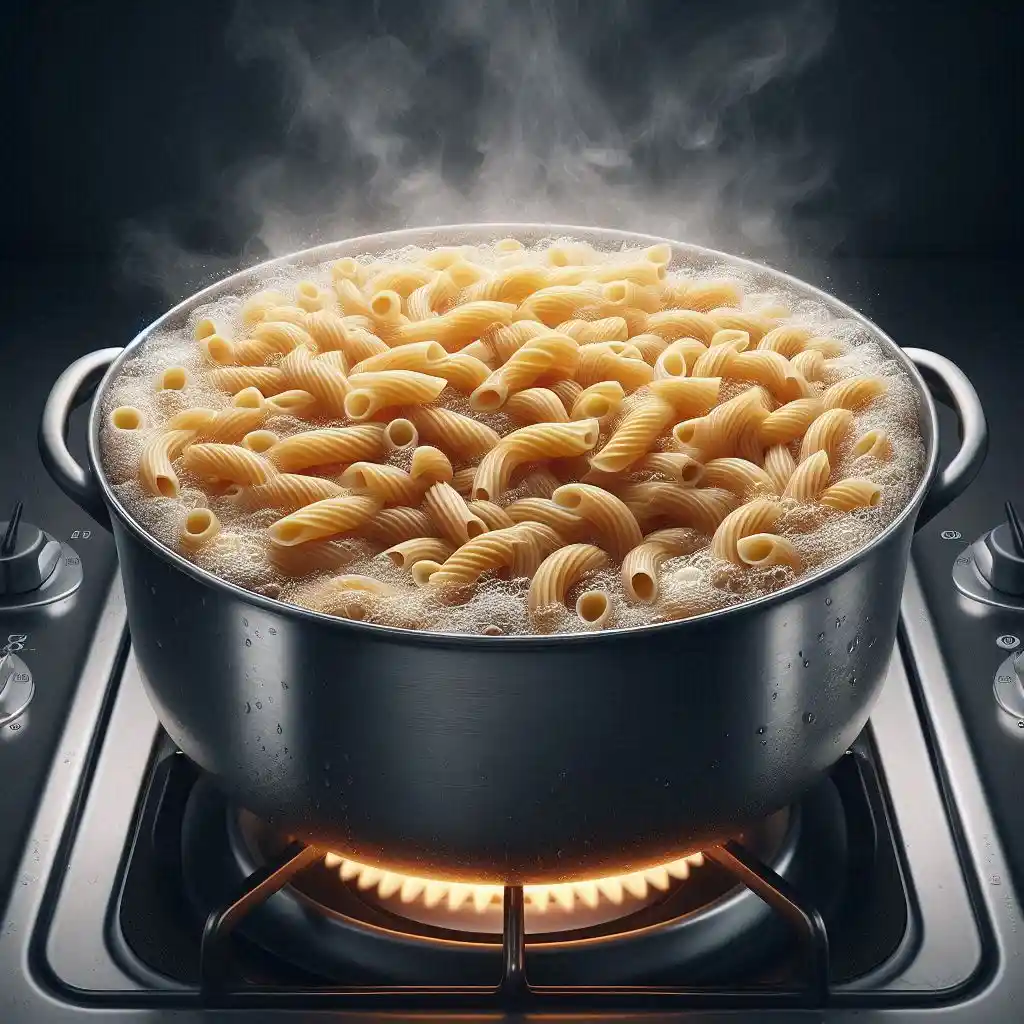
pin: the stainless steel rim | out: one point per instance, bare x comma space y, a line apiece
385, 241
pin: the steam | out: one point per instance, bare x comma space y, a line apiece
515, 110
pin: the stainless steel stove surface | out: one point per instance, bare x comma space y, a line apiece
132, 891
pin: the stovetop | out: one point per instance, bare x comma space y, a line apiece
86, 771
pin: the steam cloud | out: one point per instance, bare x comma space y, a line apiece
515, 110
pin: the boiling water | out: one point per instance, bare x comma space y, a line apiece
690, 584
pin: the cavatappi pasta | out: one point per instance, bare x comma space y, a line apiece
512, 439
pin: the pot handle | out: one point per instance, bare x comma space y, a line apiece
950, 386
73, 387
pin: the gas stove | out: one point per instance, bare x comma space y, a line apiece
130, 887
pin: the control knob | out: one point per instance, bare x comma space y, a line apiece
35, 568
999, 555
16, 687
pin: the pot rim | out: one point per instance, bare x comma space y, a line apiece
389, 240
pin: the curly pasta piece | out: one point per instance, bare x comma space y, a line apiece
810, 364
671, 324
828, 347
259, 440
156, 475
462, 480
423, 356
718, 432
677, 358
771, 370
371, 392
403, 280
854, 393
754, 517
612, 361
319, 377
810, 478
567, 391
702, 508
451, 515
386, 310
764, 549
755, 324
400, 435
269, 379
707, 295
875, 443
850, 494
634, 435
650, 346
430, 465
609, 515
715, 362
556, 303
543, 510
315, 556
511, 285
594, 607
534, 542
459, 326
389, 484
494, 516
509, 339
199, 528
688, 396
464, 372
739, 476
642, 565
826, 433
536, 405
678, 466
287, 491
462, 435
780, 465
600, 401
227, 462
559, 571
630, 295
494, 549
393, 525
256, 306
310, 297
551, 355
527, 444
127, 417
587, 332
331, 517
788, 340
328, 446
790, 421
407, 553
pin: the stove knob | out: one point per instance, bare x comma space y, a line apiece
28, 557
16, 688
999, 555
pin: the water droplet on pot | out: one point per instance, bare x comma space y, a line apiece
775, 696
808, 717
760, 730
245, 622
284, 685
839, 623
327, 783
851, 647
259, 705
280, 728
828, 600
248, 642
152, 590
853, 680
821, 638
248, 707
272, 631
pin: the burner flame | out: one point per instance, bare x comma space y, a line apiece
432, 892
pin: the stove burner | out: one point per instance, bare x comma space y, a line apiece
702, 929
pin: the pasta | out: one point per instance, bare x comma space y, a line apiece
454, 438
559, 571
371, 392
634, 436
536, 405
809, 479
451, 515
642, 565
850, 494
753, 517
331, 517
608, 514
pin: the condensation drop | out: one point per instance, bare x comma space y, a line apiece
280, 729
808, 717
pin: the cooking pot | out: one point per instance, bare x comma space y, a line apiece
513, 759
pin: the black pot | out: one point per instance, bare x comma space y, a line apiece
514, 759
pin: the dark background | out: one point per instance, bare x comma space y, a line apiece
138, 113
